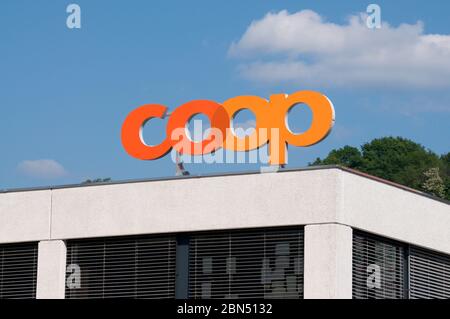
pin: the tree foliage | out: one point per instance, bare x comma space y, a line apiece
97, 180
399, 160
445, 159
347, 156
433, 183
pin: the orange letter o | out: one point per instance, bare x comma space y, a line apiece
217, 116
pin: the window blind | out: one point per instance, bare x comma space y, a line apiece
429, 274
260, 263
18, 271
378, 267
122, 267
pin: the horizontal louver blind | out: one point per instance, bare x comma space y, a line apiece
129, 267
247, 264
378, 267
429, 274
18, 270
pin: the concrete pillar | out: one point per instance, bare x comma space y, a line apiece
328, 261
51, 269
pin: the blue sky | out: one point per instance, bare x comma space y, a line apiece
64, 93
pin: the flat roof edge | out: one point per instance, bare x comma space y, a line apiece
164, 178
252, 172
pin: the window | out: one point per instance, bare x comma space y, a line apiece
378, 267
384, 268
429, 274
18, 271
130, 267
261, 263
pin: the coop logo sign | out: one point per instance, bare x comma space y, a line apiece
271, 127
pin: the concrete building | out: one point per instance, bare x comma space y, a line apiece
323, 232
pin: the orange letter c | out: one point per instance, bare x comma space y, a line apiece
132, 139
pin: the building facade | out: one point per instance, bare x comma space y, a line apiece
324, 232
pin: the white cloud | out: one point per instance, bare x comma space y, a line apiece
43, 168
303, 48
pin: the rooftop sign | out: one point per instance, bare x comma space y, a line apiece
271, 126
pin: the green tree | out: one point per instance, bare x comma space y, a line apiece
396, 159
97, 180
433, 183
399, 160
347, 156
445, 160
